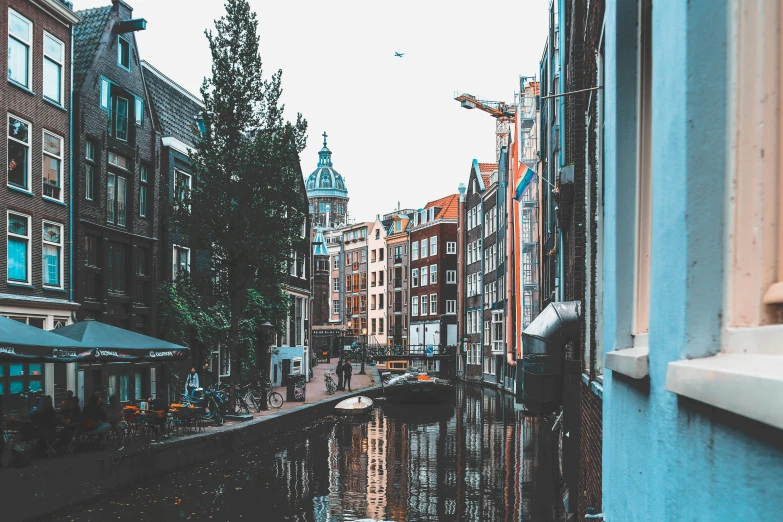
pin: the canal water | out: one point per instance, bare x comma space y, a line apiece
475, 460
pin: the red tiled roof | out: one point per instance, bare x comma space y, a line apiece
485, 177
486, 170
449, 206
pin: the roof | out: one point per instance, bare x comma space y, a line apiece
486, 170
86, 37
449, 206
175, 107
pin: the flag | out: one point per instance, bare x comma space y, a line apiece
524, 180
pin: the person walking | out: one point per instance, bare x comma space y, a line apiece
339, 372
191, 383
347, 371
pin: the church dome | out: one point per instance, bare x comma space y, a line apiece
325, 181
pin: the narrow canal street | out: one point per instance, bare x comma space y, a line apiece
476, 460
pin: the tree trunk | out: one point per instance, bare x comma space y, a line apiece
237, 305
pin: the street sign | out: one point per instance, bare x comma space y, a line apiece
430, 350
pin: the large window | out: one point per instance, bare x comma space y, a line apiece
54, 57
415, 277
433, 304
143, 190
89, 170
20, 41
434, 245
424, 248
414, 305
414, 251
52, 254
424, 305
182, 188
18, 153
424, 278
52, 166
433, 274
121, 118
451, 277
18, 248
451, 247
116, 192
451, 307
116, 268
181, 259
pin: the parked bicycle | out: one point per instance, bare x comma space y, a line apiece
213, 402
331, 386
243, 400
266, 392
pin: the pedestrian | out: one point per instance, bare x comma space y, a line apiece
116, 418
347, 371
339, 372
191, 383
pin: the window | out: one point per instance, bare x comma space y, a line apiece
123, 53
373, 256
380, 253
414, 251
143, 188
380, 325
451, 277
373, 325
20, 41
121, 118
335, 284
415, 278
364, 255
118, 161
181, 259
18, 153
380, 301
424, 305
433, 274
451, 247
52, 166
91, 250
424, 248
424, 279
486, 332
433, 304
53, 69
89, 170
451, 307
377, 234
434, 246
52, 254
18, 248
336, 261
116, 187
335, 306
497, 332
138, 111
182, 188
116, 268
380, 277
105, 97
141, 261
414, 305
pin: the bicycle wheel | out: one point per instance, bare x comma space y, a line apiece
275, 400
251, 400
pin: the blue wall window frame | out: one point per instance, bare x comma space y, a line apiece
18, 241
123, 53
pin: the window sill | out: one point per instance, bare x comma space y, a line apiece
745, 384
20, 190
55, 201
55, 104
633, 362
20, 87
20, 285
54, 289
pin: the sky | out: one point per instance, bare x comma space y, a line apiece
396, 133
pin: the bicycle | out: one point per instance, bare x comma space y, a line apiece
241, 402
331, 386
273, 398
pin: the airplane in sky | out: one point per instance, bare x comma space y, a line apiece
398, 55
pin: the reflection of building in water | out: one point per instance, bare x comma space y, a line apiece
348, 468
376, 466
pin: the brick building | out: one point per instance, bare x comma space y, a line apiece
116, 191
355, 261
377, 312
35, 146
433, 247
398, 281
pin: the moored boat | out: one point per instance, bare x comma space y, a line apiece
354, 406
418, 388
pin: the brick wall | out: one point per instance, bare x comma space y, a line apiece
590, 451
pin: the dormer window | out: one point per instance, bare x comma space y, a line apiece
123, 53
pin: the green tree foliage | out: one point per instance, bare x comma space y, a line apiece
245, 208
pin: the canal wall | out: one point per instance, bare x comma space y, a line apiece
52, 485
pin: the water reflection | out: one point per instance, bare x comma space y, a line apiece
476, 460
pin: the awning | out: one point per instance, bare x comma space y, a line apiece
111, 344
23, 343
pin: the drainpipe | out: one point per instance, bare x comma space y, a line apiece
70, 180
461, 269
511, 250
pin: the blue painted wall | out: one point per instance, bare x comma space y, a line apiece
666, 457
284, 352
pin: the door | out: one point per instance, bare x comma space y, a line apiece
286, 371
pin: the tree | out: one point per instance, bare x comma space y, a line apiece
245, 208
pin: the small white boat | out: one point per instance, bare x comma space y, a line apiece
354, 406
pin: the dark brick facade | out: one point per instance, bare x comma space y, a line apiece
590, 451
123, 296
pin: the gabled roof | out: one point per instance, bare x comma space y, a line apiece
449, 206
486, 170
86, 37
176, 108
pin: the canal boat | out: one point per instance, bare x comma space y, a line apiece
354, 406
413, 387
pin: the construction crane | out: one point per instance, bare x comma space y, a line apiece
501, 111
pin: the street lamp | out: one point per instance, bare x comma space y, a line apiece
364, 350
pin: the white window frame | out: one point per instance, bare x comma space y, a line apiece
433, 274
415, 305
424, 304
175, 264
60, 62
433, 309
424, 252
28, 43
451, 277
424, 281
29, 145
177, 174
451, 247
451, 306
28, 238
335, 284
415, 278
59, 246
434, 246
60, 158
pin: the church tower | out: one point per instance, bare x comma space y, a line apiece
327, 193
